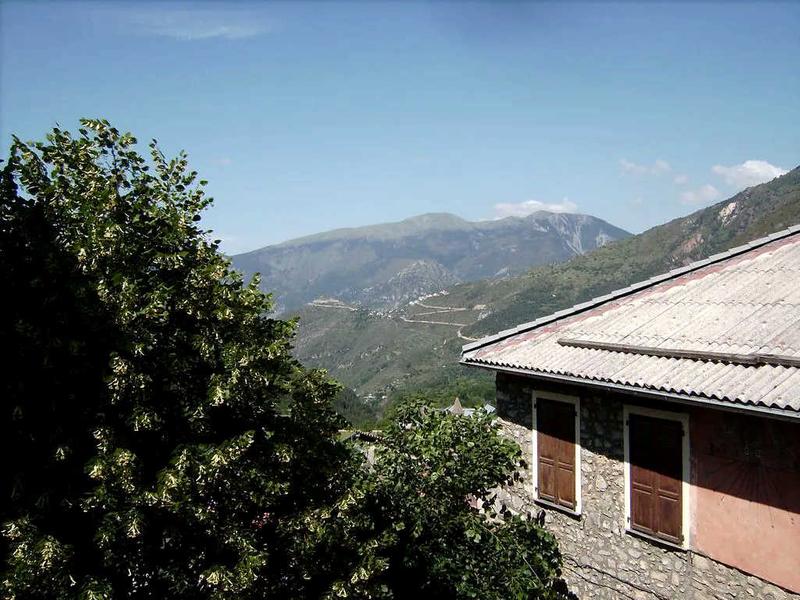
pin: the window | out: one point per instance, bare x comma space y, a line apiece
656, 474
556, 452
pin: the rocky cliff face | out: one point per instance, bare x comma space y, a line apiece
384, 266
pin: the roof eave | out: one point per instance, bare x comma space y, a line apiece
776, 413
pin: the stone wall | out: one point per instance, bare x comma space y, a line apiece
601, 560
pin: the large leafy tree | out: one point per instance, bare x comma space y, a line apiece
164, 442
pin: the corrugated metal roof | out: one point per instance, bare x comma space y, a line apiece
744, 302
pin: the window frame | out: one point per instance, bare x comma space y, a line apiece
576, 402
683, 419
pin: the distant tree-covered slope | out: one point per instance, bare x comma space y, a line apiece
385, 266
372, 352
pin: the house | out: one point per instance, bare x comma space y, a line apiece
457, 409
662, 422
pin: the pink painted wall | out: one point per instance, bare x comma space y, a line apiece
746, 493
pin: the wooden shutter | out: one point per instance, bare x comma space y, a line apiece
656, 469
555, 443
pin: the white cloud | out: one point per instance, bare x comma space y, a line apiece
659, 167
750, 172
191, 24
222, 161
523, 209
701, 195
681, 179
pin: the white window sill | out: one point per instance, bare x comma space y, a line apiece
656, 540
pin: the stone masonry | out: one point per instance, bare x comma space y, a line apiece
601, 560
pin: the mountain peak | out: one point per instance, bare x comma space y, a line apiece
436, 221
382, 266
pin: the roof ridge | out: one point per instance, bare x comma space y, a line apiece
755, 359
635, 287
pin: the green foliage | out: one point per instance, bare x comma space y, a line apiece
141, 396
356, 411
414, 532
474, 391
167, 445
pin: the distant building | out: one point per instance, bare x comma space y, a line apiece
663, 426
457, 409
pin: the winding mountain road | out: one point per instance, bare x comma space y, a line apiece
440, 310
434, 310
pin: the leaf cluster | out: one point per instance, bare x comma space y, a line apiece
141, 398
411, 523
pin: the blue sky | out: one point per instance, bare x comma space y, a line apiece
306, 117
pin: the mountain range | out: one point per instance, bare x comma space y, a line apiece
416, 347
383, 267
